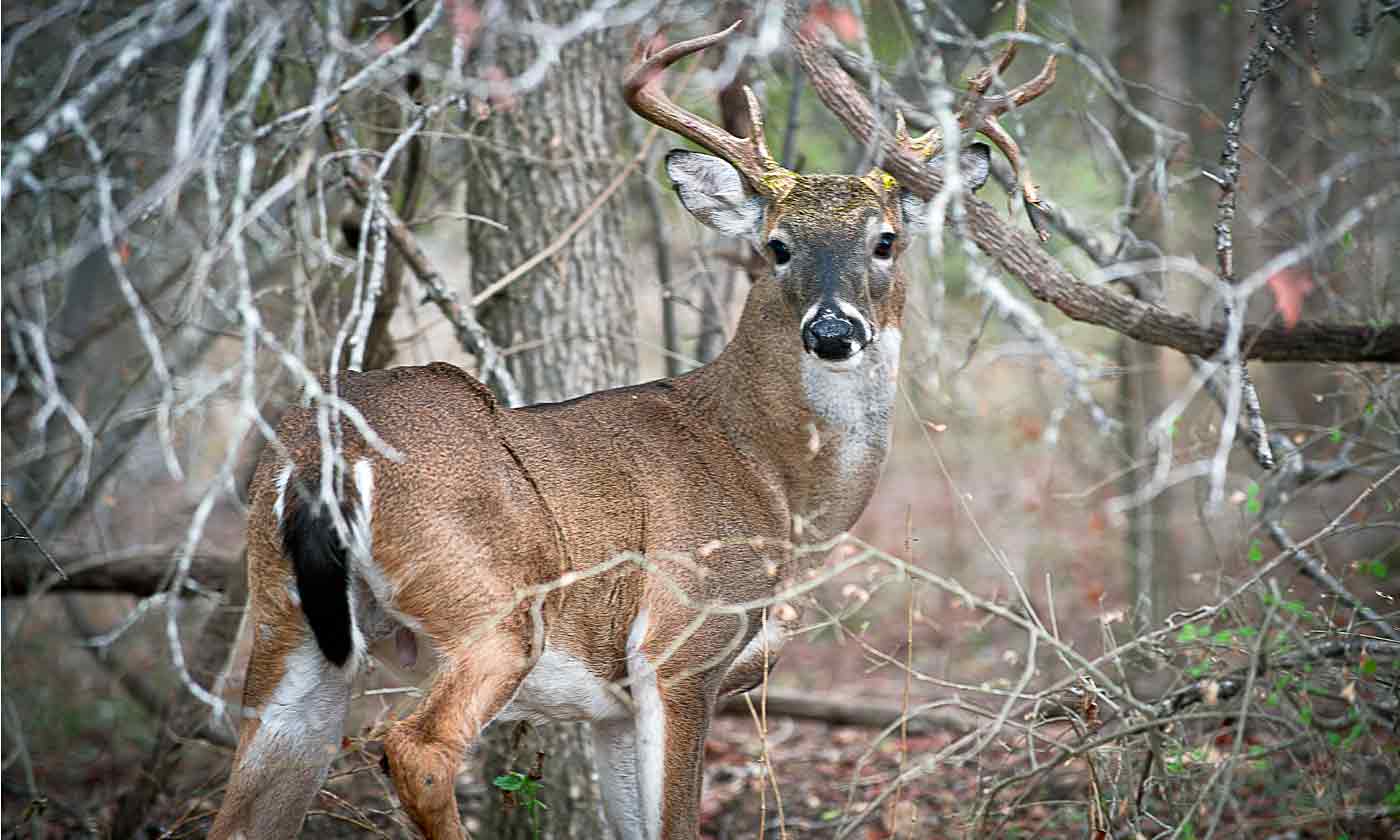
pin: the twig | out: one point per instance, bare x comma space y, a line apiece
1256, 66
28, 536
470, 334
1314, 570
1225, 688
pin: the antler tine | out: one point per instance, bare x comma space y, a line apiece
756, 136
979, 83
1031, 90
748, 155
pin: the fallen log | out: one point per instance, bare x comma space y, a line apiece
839, 712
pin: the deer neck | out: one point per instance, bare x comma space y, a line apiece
820, 431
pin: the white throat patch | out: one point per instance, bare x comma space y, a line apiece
855, 395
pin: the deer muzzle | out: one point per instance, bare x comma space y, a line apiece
833, 336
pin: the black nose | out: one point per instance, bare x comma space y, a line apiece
832, 339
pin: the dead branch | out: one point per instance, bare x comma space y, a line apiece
1050, 282
837, 712
142, 575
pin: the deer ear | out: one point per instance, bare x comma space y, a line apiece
974, 163
713, 192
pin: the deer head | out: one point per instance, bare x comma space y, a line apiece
832, 242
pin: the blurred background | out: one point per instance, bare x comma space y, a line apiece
207, 205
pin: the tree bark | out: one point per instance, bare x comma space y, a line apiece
566, 324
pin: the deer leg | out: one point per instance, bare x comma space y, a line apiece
294, 715
422, 751
615, 758
672, 718
686, 706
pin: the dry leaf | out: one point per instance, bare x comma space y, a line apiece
1290, 285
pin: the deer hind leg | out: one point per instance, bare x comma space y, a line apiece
295, 702
422, 751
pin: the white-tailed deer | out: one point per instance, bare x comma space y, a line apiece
607, 559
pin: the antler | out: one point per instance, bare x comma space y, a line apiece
979, 113
642, 90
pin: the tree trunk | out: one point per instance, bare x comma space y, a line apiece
1153, 50
542, 158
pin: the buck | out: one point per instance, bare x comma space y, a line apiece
614, 558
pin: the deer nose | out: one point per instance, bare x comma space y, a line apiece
830, 338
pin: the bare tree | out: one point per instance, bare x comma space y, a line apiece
209, 206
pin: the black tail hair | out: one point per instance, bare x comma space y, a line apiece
323, 577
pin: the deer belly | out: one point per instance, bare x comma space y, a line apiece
560, 687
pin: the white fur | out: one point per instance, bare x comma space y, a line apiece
306, 710
361, 533
615, 757
856, 397
279, 506
560, 687
650, 728
361, 545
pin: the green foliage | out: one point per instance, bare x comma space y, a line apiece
1392, 799
1251, 499
524, 790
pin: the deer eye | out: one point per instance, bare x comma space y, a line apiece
781, 254
885, 247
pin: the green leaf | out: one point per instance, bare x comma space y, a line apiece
1392, 799
830, 814
1357, 730
1256, 553
1335, 435
1378, 569
510, 781
1368, 667
1224, 637
1251, 494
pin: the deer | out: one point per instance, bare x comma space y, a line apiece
618, 558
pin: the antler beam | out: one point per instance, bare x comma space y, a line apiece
979, 113
642, 90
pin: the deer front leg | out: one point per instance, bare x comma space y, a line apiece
672, 717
